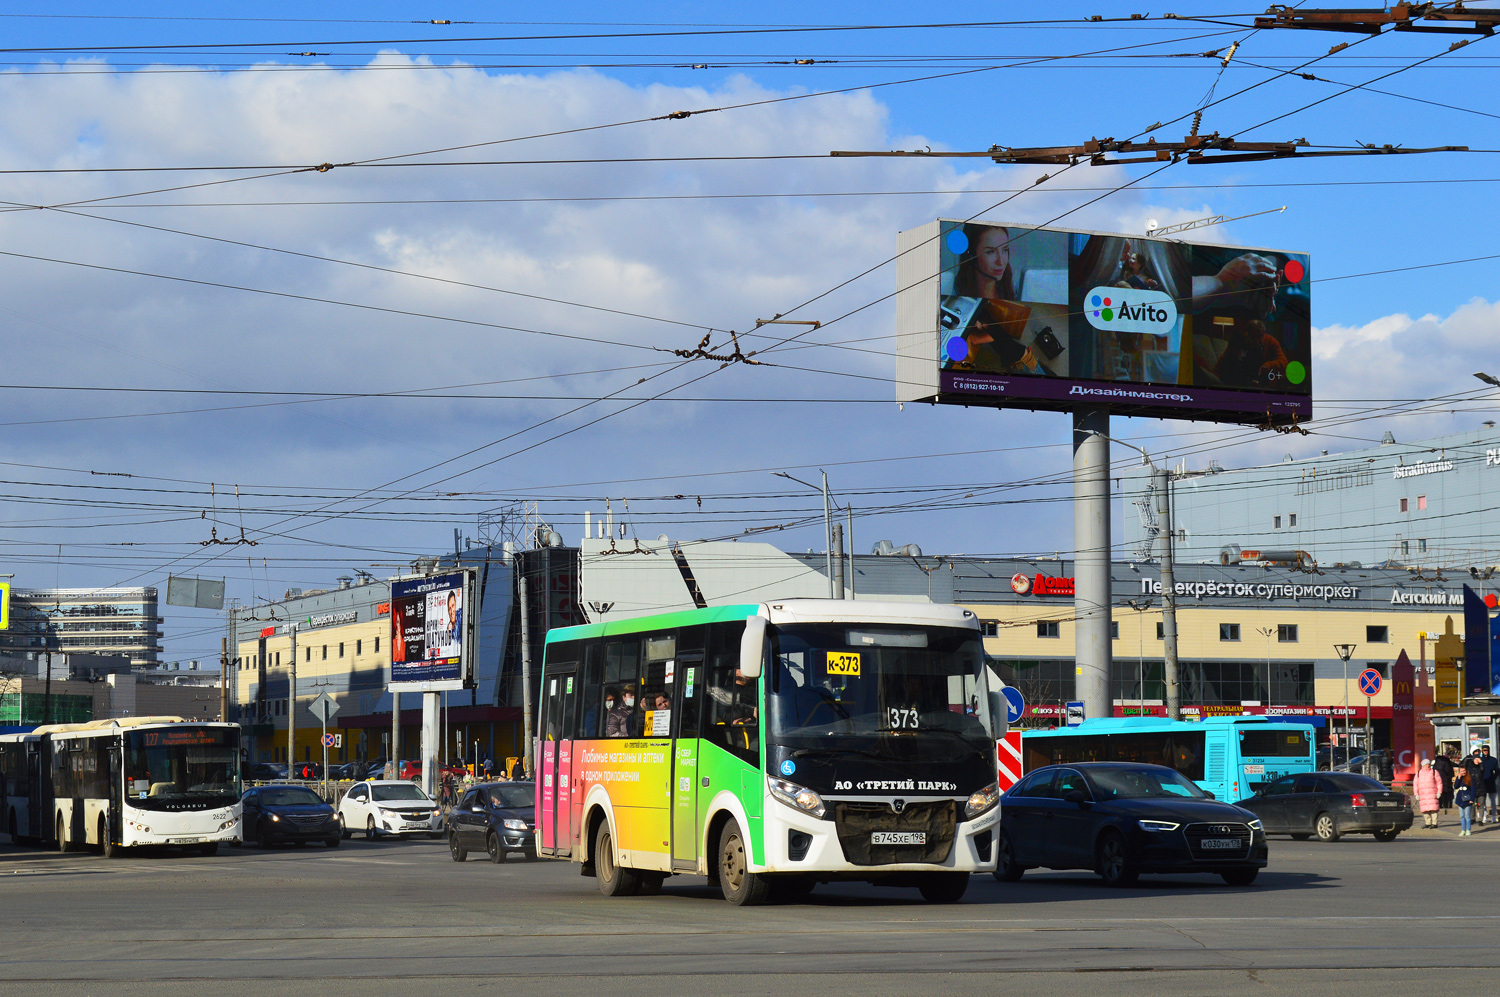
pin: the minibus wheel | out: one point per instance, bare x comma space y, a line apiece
741, 887
614, 880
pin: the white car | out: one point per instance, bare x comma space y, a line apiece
390, 806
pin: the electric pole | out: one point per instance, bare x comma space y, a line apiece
1161, 481
525, 670
291, 706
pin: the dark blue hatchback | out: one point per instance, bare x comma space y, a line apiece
1122, 819
499, 817
274, 814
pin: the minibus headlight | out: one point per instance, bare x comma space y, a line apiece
796, 796
982, 801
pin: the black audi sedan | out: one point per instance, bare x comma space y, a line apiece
1122, 819
274, 814
499, 817
1330, 805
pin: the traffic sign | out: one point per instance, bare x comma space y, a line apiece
323, 707
1075, 713
1370, 682
1015, 704
328, 740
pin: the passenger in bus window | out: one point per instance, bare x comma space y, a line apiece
617, 723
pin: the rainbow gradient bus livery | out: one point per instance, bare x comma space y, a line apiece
771, 747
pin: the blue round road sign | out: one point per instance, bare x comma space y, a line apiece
1370, 682
1015, 704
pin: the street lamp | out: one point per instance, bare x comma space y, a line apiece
1345, 652
833, 592
1161, 484
1266, 632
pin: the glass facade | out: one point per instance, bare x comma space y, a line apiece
30, 708
1050, 681
119, 621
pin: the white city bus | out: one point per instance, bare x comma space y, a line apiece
123, 783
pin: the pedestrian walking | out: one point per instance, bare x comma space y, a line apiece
1489, 775
1463, 798
1443, 765
489, 767
1429, 789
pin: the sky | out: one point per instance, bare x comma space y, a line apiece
515, 238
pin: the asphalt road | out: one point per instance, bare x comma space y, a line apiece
385, 918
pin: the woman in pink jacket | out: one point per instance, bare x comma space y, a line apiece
1429, 787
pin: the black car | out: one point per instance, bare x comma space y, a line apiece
1330, 805
499, 817
265, 772
1122, 819
290, 813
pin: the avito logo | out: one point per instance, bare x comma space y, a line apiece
1126, 309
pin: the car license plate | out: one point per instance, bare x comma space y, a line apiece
1221, 843
1386, 803
184, 841
898, 837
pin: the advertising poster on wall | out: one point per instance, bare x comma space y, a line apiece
1015, 316
431, 624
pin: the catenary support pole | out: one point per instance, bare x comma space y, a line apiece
838, 560
833, 592
1091, 543
291, 708
525, 673
849, 512
1162, 486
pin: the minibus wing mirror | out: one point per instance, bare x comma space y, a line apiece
752, 646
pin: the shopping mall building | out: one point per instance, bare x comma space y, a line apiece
1423, 504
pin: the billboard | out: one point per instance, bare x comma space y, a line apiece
1020, 317
432, 627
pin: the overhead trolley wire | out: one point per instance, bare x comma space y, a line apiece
1093, 25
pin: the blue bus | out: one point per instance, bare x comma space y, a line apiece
1230, 757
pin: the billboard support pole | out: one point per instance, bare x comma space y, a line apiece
1091, 600
429, 739
525, 674
395, 755
1161, 481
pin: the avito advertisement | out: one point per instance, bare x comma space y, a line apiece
1016, 316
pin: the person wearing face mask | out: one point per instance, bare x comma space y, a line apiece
618, 705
